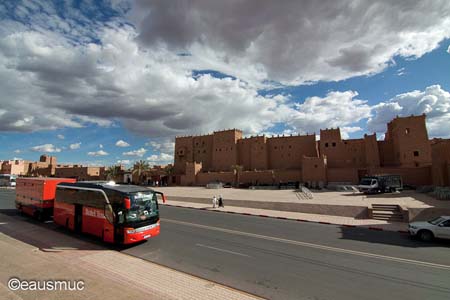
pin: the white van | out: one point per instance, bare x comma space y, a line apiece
8, 180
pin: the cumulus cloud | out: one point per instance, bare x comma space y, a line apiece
60, 136
165, 145
98, 153
160, 159
62, 73
74, 146
336, 109
46, 148
124, 161
434, 101
448, 49
294, 41
122, 143
139, 152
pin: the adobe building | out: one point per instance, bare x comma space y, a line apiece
406, 150
44, 167
80, 173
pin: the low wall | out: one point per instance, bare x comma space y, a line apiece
412, 176
425, 214
205, 178
360, 212
342, 175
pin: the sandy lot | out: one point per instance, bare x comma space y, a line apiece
405, 198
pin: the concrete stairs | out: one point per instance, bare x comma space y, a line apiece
386, 212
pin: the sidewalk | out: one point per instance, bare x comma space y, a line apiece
107, 274
303, 217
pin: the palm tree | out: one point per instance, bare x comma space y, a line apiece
112, 172
237, 169
139, 168
169, 170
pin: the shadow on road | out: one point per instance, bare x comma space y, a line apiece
389, 238
48, 236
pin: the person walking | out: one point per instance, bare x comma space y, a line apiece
214, 201
221, 201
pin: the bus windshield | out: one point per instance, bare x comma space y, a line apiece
144, 205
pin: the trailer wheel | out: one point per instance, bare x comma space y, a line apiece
38, 215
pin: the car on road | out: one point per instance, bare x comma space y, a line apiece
427, 230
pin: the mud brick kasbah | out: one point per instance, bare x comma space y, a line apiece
228, 157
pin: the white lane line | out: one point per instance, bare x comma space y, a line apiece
222, 250
315, 246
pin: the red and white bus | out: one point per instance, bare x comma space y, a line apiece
116, 213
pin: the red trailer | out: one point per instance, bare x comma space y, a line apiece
35, 196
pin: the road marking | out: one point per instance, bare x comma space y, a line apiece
315, 246
222, 250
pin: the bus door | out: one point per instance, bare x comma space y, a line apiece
108, 224
78, 217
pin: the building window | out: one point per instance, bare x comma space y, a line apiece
290, 146
275, 147
204, 151
326, 145
315, 166
334, 144
407, 131
416, 153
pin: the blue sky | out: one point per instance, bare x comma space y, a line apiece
79, 76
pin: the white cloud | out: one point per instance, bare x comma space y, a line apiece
134, 75
165, 145
98, 153
100, 146
160, 159
433, 101
121, 143
139, 152
60, 136
336, 109
46, 148
75, 146
448, 50
294, 41
17, 151
124, 161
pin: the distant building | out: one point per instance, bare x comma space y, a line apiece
44, 167
406, 150
80, 172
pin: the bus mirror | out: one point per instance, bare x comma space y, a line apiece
127, 203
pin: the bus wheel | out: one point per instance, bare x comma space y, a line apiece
38, 215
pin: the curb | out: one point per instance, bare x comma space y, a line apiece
291, 219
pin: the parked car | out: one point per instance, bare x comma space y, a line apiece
427, 230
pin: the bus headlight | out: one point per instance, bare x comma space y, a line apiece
131, 230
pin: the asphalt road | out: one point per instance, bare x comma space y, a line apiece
281, 259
